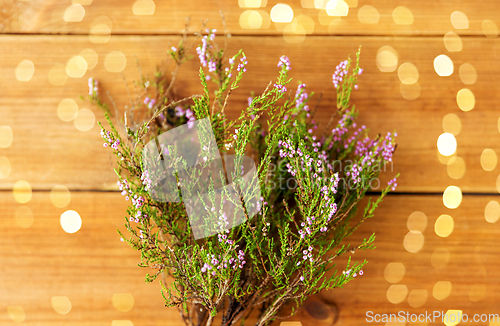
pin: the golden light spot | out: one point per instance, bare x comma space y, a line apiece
492, 211
452, 197
70, 221
294, 33
468, 74
82, 2
58, 75
489, 160
324, 19
445, 159
74, 13
394, 272
417, 221
414, 241
61, 305
387, 59
444, 225
252, 3
100, 31
60, 196
410, 92
417, 298
25, 70
319, 4
121, 323
368, 15
334, 24
309, 4
397, 293
408, 73
90, 57
85, 120
22, 192
456, 168
6, 136
123, 301
498, 183
490, 29
4, 167
452, 317
459, 20
76, 67
143, 7
115, 61
337, 8
282, 13
452, 124
67, 109
24, 217
465, 99
452, 42
402, 16
16, 313
443, 65
477, 292
446, 144
440, 258
352, 3
441, 290
251, 19
306, 22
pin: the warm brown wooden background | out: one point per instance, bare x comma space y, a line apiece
41, 261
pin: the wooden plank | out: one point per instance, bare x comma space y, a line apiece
47, 151
429, 17
91, 265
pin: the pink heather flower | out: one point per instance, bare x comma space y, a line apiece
302, 278
174, 49
285, 62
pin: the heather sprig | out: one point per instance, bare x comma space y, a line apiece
310, 189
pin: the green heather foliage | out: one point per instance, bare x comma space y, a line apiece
311, 184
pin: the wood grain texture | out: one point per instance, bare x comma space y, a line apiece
430, 17
91, 265
48, 151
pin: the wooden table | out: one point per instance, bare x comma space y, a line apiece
413, 269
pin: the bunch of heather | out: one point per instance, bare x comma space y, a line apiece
290, 231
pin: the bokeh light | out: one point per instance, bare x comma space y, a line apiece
456, 167
452, 124
417, 221
61, 304
443, 65
84, 120
408, 73
446, 144
397, 293
5, 167
115, 61
57, 75
100, 30
22, 191
452, 317
452, 42
60, 196
338, 8
67, 109
281, 13
387, 59
74, 13
466, 99
440, 258
414, 241
25, 70
394, 272
477, 292
123, 301
492, 211
444, 225
410, 92
70, 221
6, 136
24, 217
467, 73
490, 29
459, 20
254, 3
442, 290
368, 15
402, 16
417, 298
143, 7
489, 160
76, 67
90, 57
452, 197
16, 313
